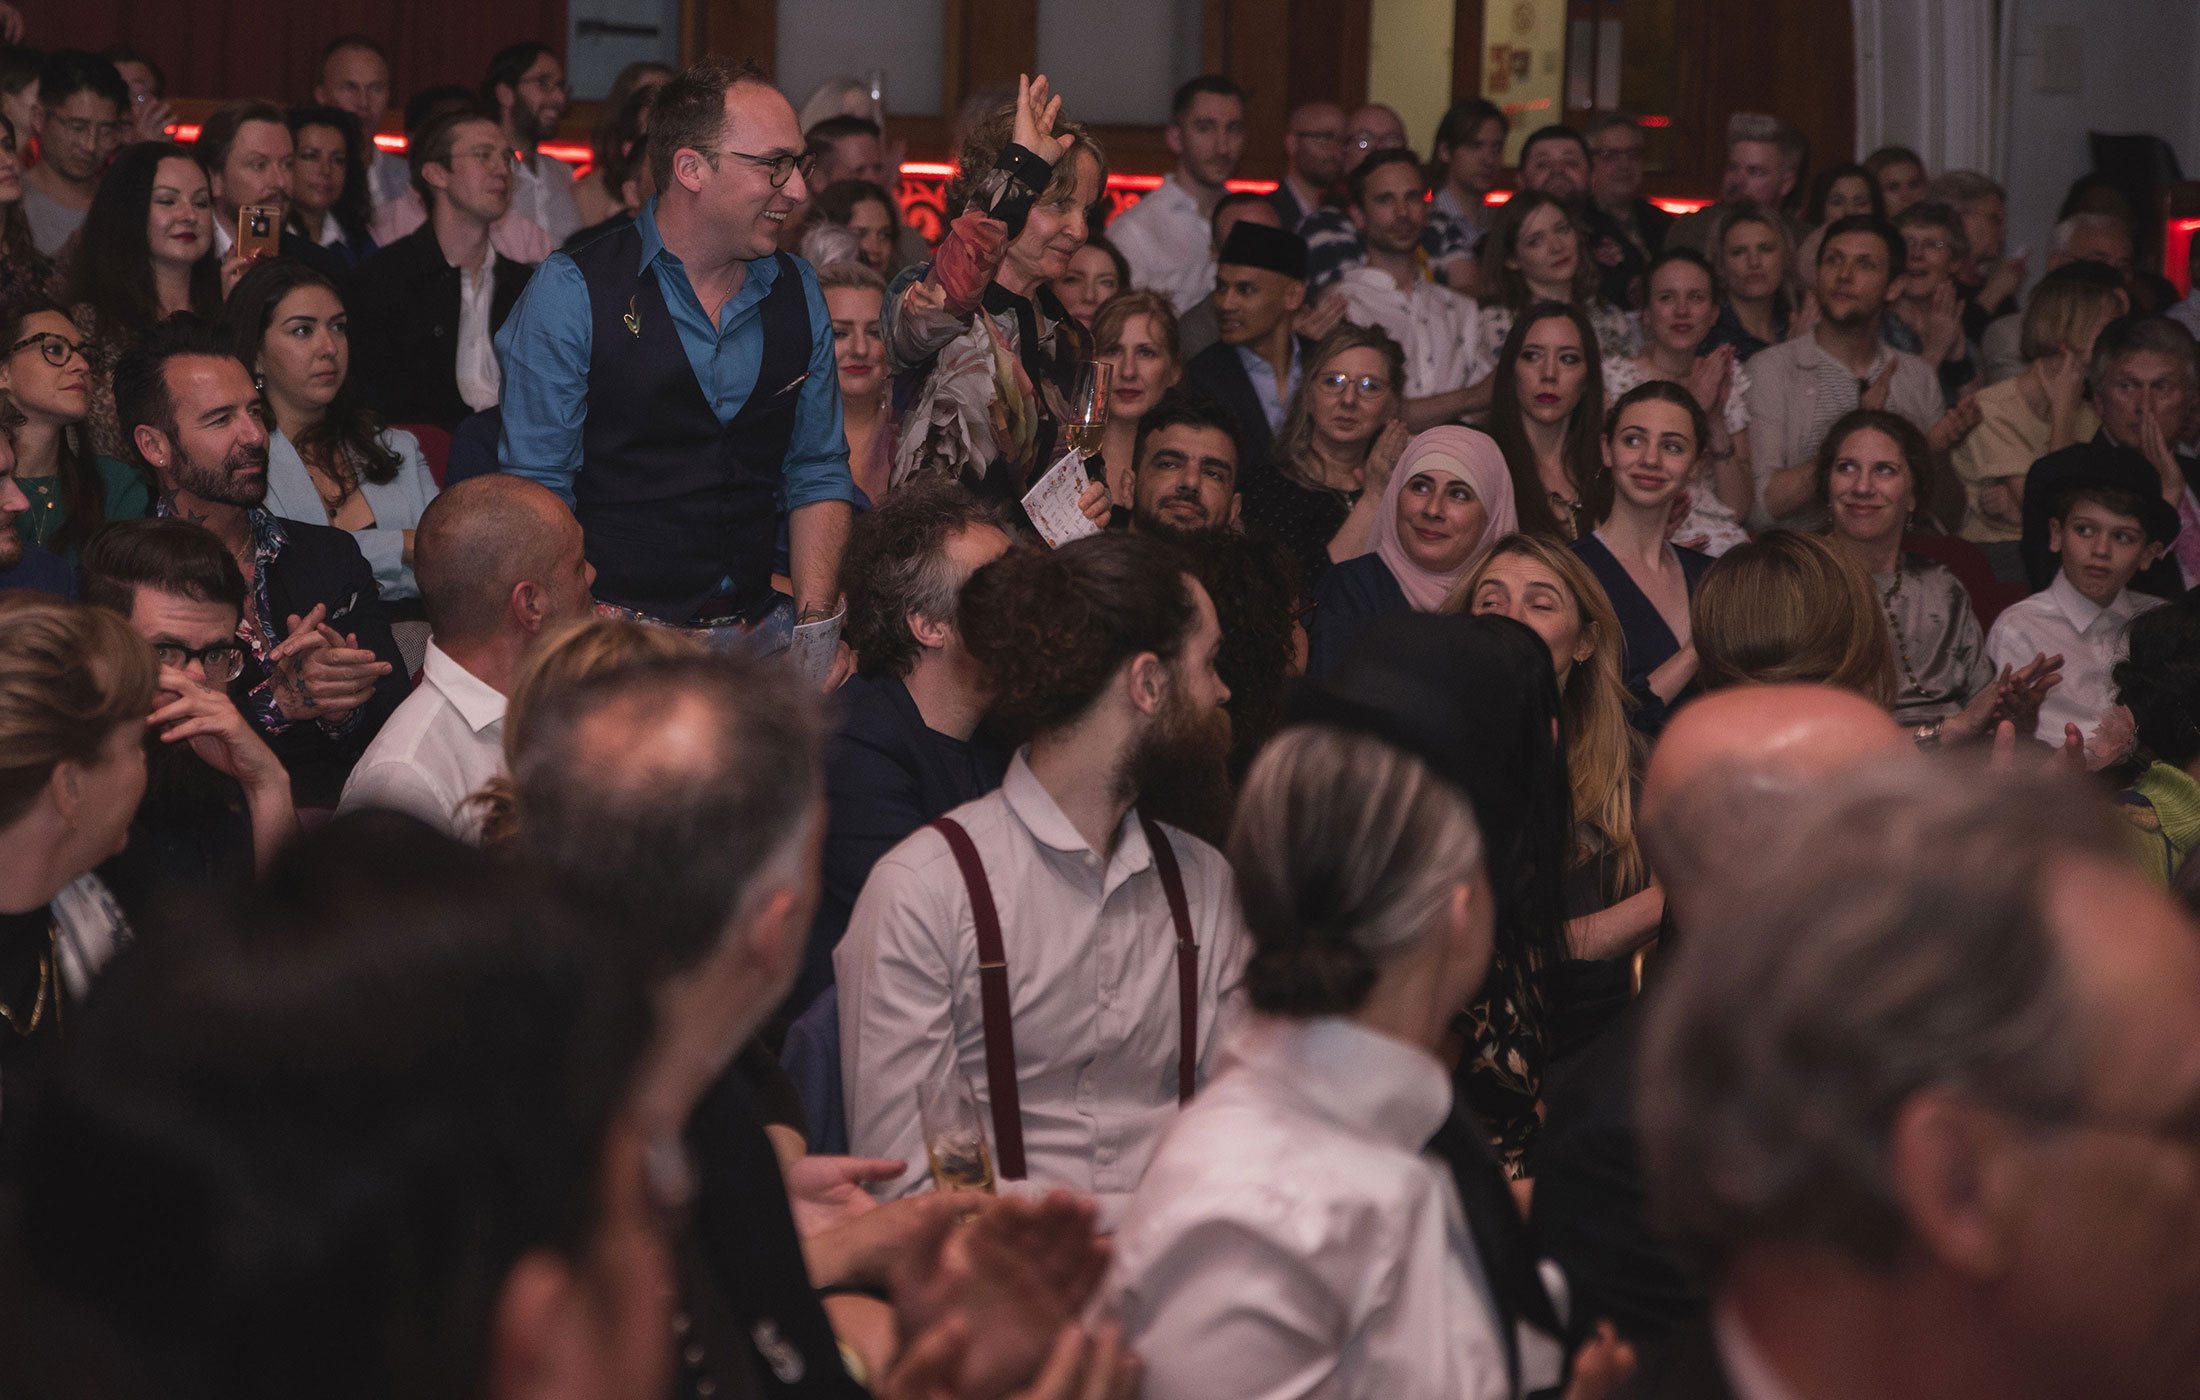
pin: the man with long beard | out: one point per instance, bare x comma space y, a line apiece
1060, 948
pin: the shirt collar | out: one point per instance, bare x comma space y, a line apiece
1749, 1374
2082, 611
1377, 1087
762, 271
1043, 817
1882, 352
477, 702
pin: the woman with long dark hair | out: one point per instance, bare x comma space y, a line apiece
328, 461
145, 251
1536, 253
72, 490
1547, 415
328, 187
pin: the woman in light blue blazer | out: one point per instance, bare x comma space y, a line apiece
329, 462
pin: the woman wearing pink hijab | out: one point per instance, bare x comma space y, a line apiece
1449, 499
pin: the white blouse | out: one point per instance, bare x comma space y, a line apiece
1292, 1237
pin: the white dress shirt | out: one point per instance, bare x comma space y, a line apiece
438, 748
480, 381
1437, 327
1169, 245
542, 190
1092, 987
2090, 639
1293, 1237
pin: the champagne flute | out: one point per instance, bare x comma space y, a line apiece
954, 1135
1088, 406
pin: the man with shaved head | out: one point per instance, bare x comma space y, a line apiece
1313, 155
1725, 766
500, 562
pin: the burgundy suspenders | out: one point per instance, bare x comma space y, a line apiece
1000, 1035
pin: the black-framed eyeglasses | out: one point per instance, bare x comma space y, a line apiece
1338, 383
223, 662
780, 166
56, 347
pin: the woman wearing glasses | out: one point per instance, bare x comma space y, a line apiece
1323, 492
72, 490
1926, 317
985, 353
327, 460
146, 251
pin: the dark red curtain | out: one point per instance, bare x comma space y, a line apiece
268, 48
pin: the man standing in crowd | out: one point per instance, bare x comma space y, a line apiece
1994, 1197
1164, 236
1626, 230
675, 380
907, 748
525, 87
1332, 240
499, 562
425, 310
1185, 473
1764, 160
355, 78
1313, 156
1470, 151
83, 107
1798, 388
1392, 290
1119, 935
848, 148
1254, 368
149, 113
245, 148
1555, 160
1196, 329
321, 670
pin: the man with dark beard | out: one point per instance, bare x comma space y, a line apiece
1065, 952
321, 670
526, 91
1184, 467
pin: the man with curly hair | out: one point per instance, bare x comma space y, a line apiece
907, 747
1065, 952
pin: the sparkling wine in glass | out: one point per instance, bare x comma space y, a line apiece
954, 1135
1088, 406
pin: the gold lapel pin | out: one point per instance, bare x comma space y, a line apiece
633, 317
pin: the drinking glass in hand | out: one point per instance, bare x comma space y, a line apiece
1088, 406
954, 1135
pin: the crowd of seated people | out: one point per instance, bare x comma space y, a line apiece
617, 782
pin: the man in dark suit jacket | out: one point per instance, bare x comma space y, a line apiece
321, 670
1260, 281
907, 748
423, 323
245, 147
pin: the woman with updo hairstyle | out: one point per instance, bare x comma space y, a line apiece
76, 684
2158, 681
1790, 608
1300, 1176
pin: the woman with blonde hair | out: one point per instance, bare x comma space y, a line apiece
984, 354
1321, 491
1612, 907
1791, 608
565, 658
76, 685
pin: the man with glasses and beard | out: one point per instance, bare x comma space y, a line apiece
1052, 941
526, 89
321, 670
689, 364
217, 800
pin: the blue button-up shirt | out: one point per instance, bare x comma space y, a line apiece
1275, 399
544, 351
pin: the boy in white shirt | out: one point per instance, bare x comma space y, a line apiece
2105, 534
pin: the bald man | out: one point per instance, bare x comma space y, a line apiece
1314, 160
500, 562
1723, 765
